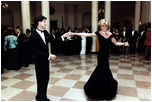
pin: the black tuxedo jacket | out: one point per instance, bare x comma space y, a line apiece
133, 38
143, 36
20, 40
39, 48
57, 38
124, 38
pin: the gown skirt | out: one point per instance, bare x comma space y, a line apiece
101, 84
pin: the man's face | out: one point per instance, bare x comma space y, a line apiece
43, 24
124, 28
53, 31
133, 28
17, 31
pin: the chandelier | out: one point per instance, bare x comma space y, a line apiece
101, 11
4, 5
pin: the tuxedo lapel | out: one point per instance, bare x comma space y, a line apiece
41, 38
46, 38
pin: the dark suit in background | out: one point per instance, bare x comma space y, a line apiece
124, 38
20, 49
88, 44
55, 41
132, 38
141, 40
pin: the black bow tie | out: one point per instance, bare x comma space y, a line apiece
40, 30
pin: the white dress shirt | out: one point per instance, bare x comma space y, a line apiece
124, 33
83, 45
18, 35
43, 38
53, 36
142, 33
133, 33
42, 35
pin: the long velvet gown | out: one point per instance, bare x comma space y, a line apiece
101, 84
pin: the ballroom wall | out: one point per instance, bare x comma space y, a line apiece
76, 14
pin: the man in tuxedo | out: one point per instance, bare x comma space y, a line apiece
20, 46
39, 45
55, 41
141, 40
88, 41
124, 38
132, 38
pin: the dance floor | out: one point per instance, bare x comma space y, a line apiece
68, 74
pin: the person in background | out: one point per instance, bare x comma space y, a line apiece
76, 42
116, 49
141, 40
55, 43
148, 44
132, 38
20, 46
4, 57
123, 38
88, 41
28, 54
69, 48
10, 47
83, 43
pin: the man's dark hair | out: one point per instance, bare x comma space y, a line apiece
38, 19
10, 32
28, 31
18, 27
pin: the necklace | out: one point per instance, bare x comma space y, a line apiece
104, 32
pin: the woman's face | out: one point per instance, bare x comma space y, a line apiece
117, 31
103, 27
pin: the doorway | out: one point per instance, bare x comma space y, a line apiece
53, 24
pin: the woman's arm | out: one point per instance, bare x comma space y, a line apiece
5, 43
84, 34
119, 43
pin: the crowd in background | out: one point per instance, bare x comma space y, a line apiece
16, 45
139, 41
15, 48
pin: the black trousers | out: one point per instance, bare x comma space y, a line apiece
42, 76
13, 59
123, 49
148, 52
132, 47
20, 57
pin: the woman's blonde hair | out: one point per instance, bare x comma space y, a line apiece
104, 21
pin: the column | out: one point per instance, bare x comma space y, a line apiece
149, 7
143, 13
71, 16
25, 11
75, 15
146, 12
94, 23
66, 15
108, 11
46, 13
137, 14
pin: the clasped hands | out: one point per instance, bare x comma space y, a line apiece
126, 44
67, 34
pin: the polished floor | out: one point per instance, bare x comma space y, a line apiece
70, 73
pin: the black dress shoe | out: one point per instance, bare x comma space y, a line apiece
46, 99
